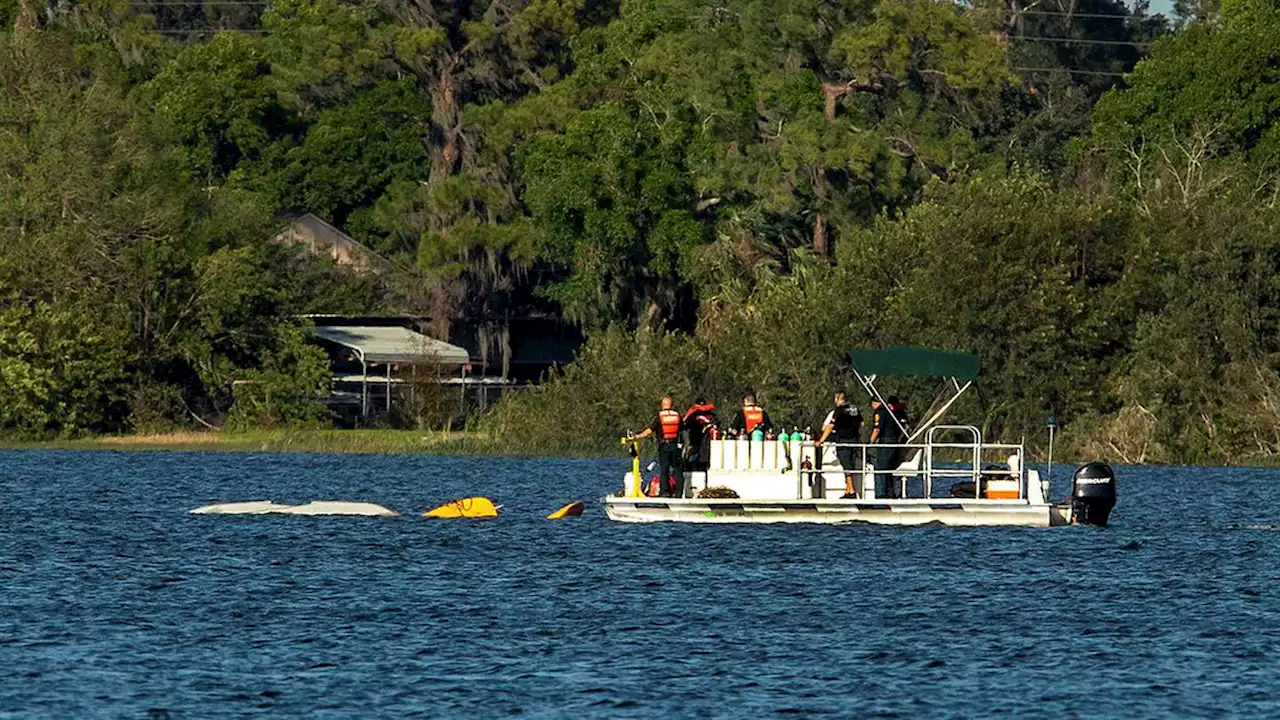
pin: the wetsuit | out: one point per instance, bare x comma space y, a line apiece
886, 458
749, 418
667, 427
697, 422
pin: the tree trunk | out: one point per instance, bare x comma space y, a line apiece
831, 93
819, 236
26, 19
448, 126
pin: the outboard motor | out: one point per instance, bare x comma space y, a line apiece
1093, 494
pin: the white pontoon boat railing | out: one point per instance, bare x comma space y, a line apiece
922, 460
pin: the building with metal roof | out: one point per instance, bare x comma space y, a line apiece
358, 346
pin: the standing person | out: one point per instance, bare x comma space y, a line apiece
899, 410
750, 417
845, 422
698, 420
885, 431
668, 426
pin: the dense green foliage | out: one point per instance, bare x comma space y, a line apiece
727, 194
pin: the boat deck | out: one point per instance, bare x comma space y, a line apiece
914, 511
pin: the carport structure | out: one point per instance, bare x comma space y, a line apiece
389, 345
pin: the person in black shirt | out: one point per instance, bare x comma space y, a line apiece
845, 422
886, 430
668, 426
698, 420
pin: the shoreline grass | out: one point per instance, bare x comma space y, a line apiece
369, 442
375, 442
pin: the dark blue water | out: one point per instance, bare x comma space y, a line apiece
117, 603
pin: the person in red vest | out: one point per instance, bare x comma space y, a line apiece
698, 421
750, 417
668, 427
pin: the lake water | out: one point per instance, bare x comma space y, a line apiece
117, 603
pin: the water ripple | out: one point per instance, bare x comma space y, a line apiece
117, 603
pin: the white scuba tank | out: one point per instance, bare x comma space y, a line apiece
770, 455
717, 455
742, 453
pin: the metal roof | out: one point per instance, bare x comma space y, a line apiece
392, 344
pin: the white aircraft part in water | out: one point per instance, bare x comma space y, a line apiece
315, 507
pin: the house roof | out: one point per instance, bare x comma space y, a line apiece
320, 237
392, 344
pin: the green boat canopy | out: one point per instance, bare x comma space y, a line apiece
915, 361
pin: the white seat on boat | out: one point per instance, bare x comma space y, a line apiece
910, 467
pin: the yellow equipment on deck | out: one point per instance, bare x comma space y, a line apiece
637, 488
472, 507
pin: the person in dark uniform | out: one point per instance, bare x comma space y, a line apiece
886, 431
750, 417
698, 421
668, 426
845, 422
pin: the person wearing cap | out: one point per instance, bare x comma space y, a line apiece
887, 428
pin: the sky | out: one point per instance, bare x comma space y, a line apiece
1162, 6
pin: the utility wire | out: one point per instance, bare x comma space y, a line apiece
206, 31
1091, 16
1070, 70
1038, 38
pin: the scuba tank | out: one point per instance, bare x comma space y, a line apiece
784, 450
717, 448
770, 448
741, 451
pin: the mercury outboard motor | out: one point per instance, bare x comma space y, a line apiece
1093, 494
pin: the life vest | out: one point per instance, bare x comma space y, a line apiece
753, 415
701, 413
670, 420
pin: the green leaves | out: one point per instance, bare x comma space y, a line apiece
1220, 80
58, 374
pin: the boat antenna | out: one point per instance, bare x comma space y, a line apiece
1053, 425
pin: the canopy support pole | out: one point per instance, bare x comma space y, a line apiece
942, 410
364, 385
869, 384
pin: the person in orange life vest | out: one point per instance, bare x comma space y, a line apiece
698, 420
750, 417
668, 426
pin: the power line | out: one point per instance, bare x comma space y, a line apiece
1070, 70
1090, 16
206, 31
1037, 38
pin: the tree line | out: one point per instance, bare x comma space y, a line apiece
727, 194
